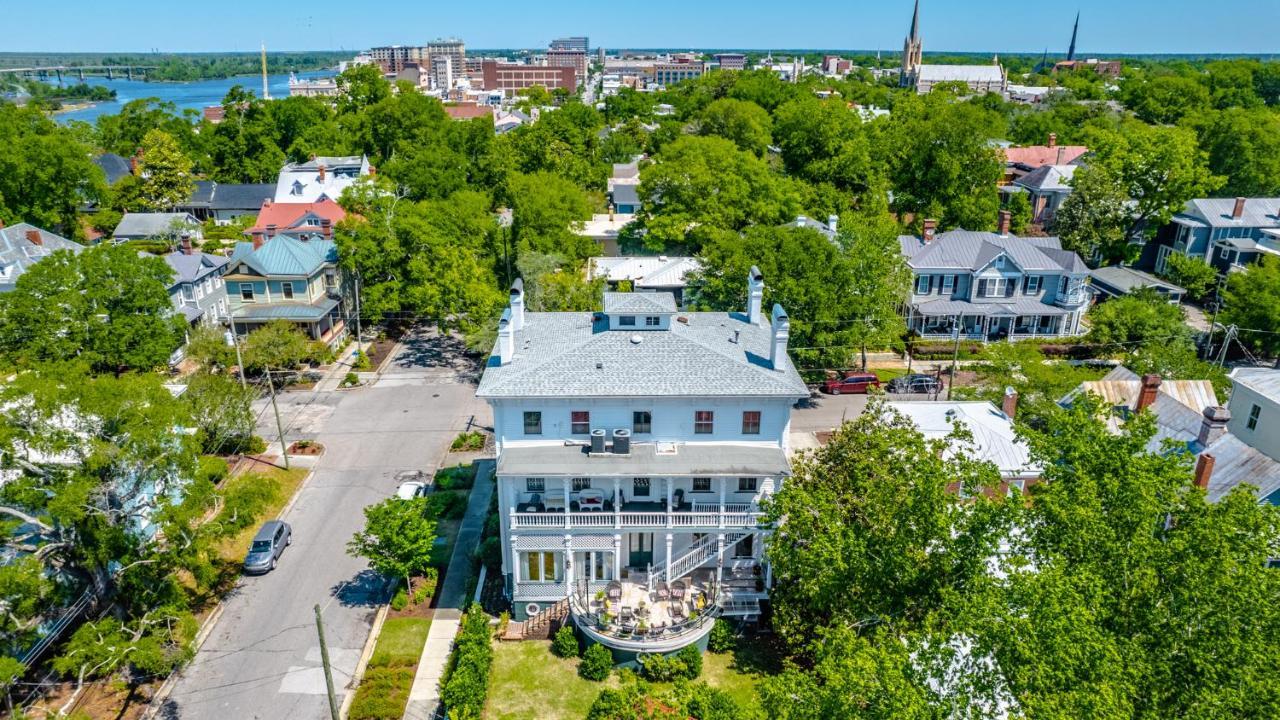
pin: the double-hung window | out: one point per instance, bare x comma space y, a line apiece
640, 487
532, 422
1255, 413
746, 484
286, 288
702, 485
641, 422
540, 566
246, 292
948, 284
652, 321
580, 422
703, 422
535, 485
580, 484
924, 283
751, 422
1032, 285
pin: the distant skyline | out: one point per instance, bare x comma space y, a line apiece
1106, 26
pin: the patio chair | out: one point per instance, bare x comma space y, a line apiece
613, 590
534, 504
628, 618
677, 590
677, 500
677, 612
661, 591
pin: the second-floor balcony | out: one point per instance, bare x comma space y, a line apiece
537, 513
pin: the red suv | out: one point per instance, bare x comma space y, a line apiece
851, 383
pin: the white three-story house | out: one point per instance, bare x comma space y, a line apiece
635, 446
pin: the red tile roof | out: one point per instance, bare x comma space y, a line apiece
1033, 156
469, 112
287, 215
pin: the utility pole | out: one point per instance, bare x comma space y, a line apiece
955, 357
284, 450
235, 342
359, 347
328, 671
1226, 342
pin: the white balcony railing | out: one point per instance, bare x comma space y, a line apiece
736, 516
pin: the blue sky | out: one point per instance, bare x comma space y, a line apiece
1107, 26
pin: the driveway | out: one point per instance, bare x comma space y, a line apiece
262, 659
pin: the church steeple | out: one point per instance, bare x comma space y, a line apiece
1075, 31
912, 50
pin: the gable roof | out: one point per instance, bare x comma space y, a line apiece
468, 112
639, 303
973, 251
285, 255
1216, 212
339, 173
113, 166
994, 438
961, 73
1049, 177
285, 215
18, 253
576, 355
646, 271
152, 224
193, 267
1033, 156
626, 195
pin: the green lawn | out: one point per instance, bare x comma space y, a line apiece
384, 689
529, 683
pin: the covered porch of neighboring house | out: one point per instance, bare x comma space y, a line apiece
999, 324
321, 320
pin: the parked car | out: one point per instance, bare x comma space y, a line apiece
915, 383
412, 489
272, 538
856, 382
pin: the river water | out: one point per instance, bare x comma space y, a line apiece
195, 95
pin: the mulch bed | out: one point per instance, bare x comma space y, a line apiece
420, 610
378, 351
311, 448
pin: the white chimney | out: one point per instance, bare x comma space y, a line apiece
755, 295
781, 333
506, 339
517, 305
831, 221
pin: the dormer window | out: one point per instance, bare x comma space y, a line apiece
652, 321
297, 187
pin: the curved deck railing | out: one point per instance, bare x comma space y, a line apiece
606, 629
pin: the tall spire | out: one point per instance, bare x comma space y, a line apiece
1075, 31
915, 23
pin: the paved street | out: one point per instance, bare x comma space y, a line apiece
262, 660
826, 412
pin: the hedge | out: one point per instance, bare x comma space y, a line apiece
467, 680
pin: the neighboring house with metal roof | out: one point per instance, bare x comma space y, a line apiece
1047, 187
994, 438
160, 225
1234, 445
993, 286
1228, 233
307, 182
635, 446
224, 202
286, 278
605, 229
23, 245
626, 199
660, 273
1117, 280
198, 291
828, 229
304, 221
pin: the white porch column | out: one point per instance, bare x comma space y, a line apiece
617, 503
515, 563
617, 557
721, 519
568, 523
670, 482
719, 559
568, 564
669, 539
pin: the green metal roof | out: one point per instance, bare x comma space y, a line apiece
284, 311
286, 255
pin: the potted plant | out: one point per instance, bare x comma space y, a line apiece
599, 595
642, 627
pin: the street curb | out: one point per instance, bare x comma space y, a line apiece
206, 628
363, 663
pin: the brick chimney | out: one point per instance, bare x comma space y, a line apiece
1005, 220
1238, 211
1204, 470
1009, 404
930, 229
34, 237
321, 171
271, 232
1214, 424
1053, 140
1150, 386
187, 248
258, 239
326, 226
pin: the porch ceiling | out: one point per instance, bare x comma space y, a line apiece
694, 460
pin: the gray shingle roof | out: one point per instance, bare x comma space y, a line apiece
575, 355
639, 303
113, 166
194, 267
1049, 177
626, 195
1127, 279
242, 196
18, 253
973, 251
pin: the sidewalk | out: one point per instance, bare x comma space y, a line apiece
337, 371
424, 696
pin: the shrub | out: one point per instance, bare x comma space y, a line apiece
467, 681
491, 553
597, 663
382, 693
504, 619
458, 477
565, 643
361, 361
254, 445
446, 505
400, 600
350, 380
723, 638
691, 657
468, 441
212, 469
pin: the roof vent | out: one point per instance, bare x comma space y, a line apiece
682, 319
635, 339
599, 365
